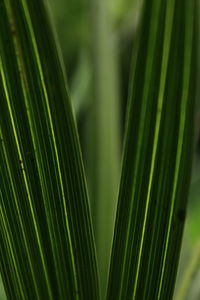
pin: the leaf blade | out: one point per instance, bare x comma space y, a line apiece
159, 121
40, 158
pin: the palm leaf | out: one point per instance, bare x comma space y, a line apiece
157, 154
47, 247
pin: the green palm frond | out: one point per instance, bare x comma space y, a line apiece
157, 154
47, 247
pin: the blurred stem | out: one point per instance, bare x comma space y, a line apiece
122, 10
189, 274
103, 158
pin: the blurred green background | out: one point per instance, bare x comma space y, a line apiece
97, 38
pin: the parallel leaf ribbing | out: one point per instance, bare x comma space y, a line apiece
47, 247
157, 154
